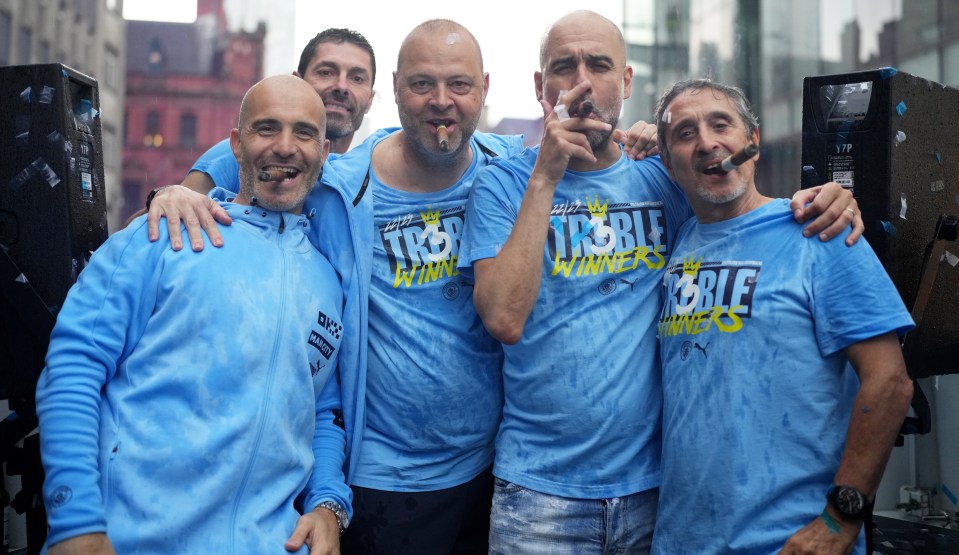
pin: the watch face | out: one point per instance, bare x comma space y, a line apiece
849, 501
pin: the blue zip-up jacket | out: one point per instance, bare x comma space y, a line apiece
168, 429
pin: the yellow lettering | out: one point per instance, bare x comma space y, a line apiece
717, 314
561, 266
593, 263
404, 277
620, 260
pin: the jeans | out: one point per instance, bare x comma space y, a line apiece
527, 522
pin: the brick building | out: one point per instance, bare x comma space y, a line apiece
185, 82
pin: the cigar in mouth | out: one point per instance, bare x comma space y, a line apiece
272, 175
443, 136
585, 108
736, 159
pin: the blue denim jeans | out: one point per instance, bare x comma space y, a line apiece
527, 522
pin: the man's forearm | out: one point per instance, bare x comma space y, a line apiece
880, 407
507, 286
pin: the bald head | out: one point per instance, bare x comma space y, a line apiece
578, 23
439, 32
280, 135
277, 87
440, 87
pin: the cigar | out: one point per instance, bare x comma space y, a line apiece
739, 158
585, 108
272, 175
443, 137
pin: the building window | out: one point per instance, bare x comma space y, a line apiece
92, 16
153, 138
187, 130
44, 52
132, 197
26, 38
5, 34
110, 147
111, 68
156, 56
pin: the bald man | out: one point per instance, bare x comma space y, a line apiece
568, 242
422, 481
182, 415
422, 397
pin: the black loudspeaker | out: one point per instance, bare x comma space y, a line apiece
52, 205
51, 174
893, 139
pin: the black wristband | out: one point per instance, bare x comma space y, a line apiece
153, 193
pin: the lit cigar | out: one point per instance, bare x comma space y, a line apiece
585, 108
739, 158
443, 137
272, 175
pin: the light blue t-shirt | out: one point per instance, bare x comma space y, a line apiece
434, 387
582, 392
757, 391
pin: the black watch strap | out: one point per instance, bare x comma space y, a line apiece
153, 193
848, 501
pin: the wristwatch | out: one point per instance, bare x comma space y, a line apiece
153, 193
342, 519
849, 501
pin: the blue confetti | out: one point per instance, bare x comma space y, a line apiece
901, 108
948, 493
888, 227
939, 158
887, 72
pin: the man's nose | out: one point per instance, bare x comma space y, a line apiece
440, 98
284, 144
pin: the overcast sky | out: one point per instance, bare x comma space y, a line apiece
508, 31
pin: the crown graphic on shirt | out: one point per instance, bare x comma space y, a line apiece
595, 209
431, 217
691, 266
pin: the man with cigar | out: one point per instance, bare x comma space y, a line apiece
179, 414
568, 242
780, 442
429, 399
341, 67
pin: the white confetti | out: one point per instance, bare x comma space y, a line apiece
950, 258
902, 211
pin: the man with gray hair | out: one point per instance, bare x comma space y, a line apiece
784, 384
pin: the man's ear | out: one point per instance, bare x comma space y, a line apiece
627, 82
538, 82
370, 103
756, 142
235, 142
